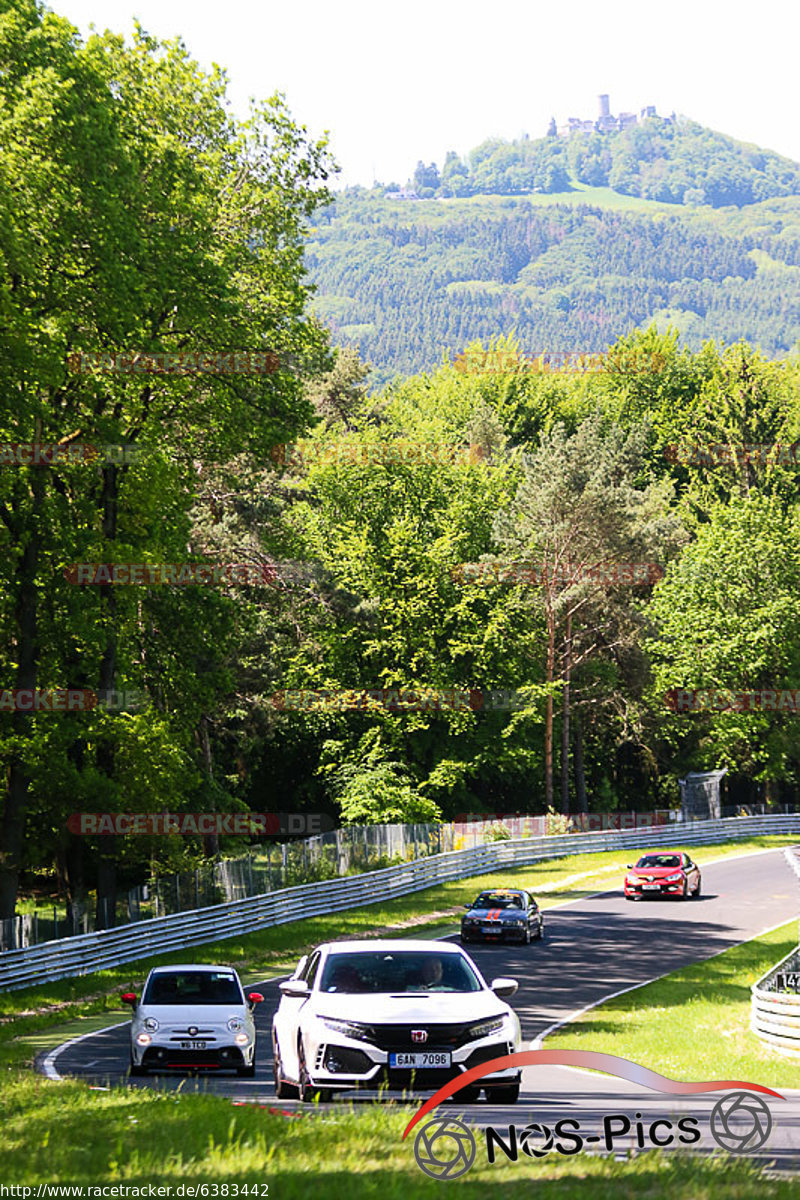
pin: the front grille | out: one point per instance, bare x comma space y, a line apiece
440, 1036
163, 1056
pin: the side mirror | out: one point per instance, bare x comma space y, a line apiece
255, 998
129, 998
294, 987
467, 907
629, 867
503, 987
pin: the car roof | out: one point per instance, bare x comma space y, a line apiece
501, 891
658, 853
379, 944
193, 967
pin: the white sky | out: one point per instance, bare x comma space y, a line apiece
396, 83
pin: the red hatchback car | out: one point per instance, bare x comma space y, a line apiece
665, 874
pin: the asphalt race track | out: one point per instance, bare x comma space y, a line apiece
592, 948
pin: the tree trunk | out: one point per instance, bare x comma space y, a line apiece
577, 762
210, 840
565, 731
548, 719
105, 914
12, 827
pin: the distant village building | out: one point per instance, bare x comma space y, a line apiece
404, 194
606, 122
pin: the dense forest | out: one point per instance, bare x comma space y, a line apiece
715, 255
358, 506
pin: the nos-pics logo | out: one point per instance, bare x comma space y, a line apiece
445, 1148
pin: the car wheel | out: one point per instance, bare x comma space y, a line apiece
247, 1072
503, 1095
696, 892
685, 892
540, 934
464, 939
283, 1090
136, 1071
527, 939
307, 1091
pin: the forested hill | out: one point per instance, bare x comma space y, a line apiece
664, 159
406, 280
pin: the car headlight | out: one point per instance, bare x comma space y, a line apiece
676, 878
485, 1028
235, 1023
351, 1029
241, 1039
151, 1024
143, 1039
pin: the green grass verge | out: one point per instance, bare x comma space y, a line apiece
695, 1023
63, 1133
68, 1133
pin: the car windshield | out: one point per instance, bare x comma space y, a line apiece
398, 971
193, 987
497, 900
659, 860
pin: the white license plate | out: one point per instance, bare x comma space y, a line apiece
492, 929
426, 1058
193, 1045
651, 887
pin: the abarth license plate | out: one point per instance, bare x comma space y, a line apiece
424, 1058
193, 1045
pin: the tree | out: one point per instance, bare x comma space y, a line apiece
581, 513
152, 222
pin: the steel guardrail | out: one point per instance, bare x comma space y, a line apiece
775, 1015
86, 953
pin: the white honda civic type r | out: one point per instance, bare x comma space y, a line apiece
193, 1016
399, 1013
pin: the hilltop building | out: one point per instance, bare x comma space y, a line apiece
606, 122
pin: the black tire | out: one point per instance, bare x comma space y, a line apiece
136, 1072
696, 892
526, 941
540, 934
283, 1090
685, 893
465, 941
247, 1072
307, 1091
503, 1095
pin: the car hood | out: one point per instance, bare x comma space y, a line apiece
495, 914
654, 872
434, 1007
178, 1015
